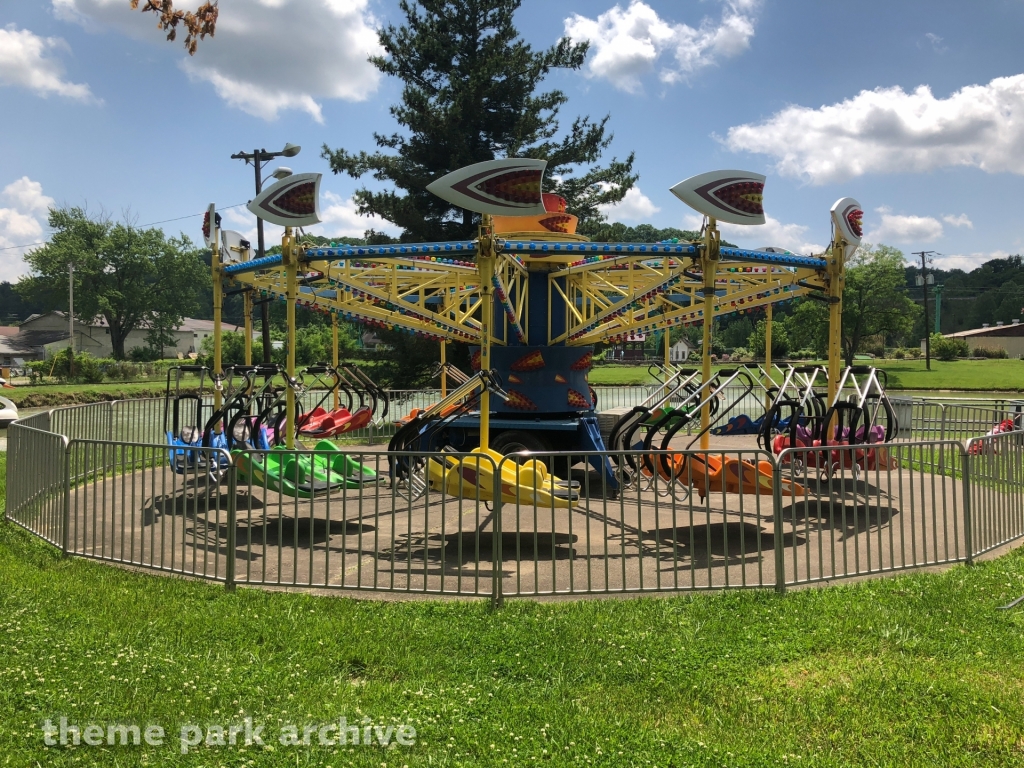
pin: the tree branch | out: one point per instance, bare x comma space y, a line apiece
198, 25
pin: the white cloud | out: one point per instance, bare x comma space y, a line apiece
26, 61
630, 43
268, 56
888, 130
894, 228
340, 219
958, 221
966, 262
634, 206
773, 233
21, 224
936, 42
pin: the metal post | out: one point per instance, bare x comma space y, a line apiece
965, 459
924, 289
780, 554
485, 269
71, 319
444, 372
229, 565
260, 253
709, 264
218, 299
66, 512
247, 300
767, 351
292, 289
836, 282
334, 355
497, 556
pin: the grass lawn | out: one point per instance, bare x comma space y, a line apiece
620, 375
966, 375
920, 670
67, 394
957, 375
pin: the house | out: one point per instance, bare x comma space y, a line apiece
40, 336
630, 348
999, 336
679, 352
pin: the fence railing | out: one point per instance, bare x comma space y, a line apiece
99, 482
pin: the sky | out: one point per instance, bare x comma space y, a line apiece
915, 108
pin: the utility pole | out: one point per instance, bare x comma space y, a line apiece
71, 319
924, 287
938, 308
259, 158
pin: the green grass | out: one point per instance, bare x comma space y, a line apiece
963, 375
920, 670
620, 375
957, 375
49, 395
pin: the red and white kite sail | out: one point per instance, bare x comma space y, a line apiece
507, 187
732, 196
292, 202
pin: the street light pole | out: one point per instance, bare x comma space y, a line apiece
924, 288
259, 158
260, 253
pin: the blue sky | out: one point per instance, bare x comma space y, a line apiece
915, 108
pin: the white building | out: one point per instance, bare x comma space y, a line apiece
679, 352
999, 336
42, 335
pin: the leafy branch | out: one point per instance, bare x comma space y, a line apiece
198, 25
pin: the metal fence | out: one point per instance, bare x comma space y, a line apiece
99, 482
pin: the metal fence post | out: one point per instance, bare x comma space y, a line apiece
497, 598
780, 554
66, 512
229, 576
968, 527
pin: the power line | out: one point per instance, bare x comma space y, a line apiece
140, 226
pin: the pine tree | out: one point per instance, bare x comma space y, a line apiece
471, 94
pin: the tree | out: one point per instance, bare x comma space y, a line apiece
132, 278
807, 327
876, 299
469, 95
14, 307
734, 333
160, 334
757, 342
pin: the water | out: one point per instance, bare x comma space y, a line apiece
22, 413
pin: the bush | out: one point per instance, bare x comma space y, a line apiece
945, 348
804, 354
143, 354
898, 354
993, 353
872, 346
121, 370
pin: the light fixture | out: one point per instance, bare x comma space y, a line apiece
281, 173
291, 150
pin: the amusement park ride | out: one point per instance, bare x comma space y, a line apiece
531, 297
